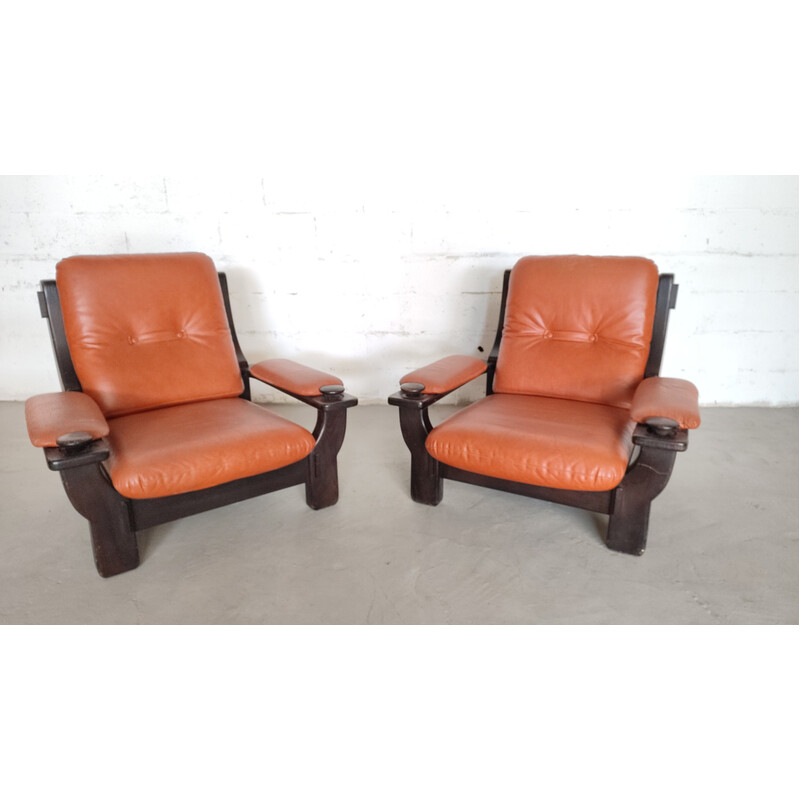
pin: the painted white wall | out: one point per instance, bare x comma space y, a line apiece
369, 283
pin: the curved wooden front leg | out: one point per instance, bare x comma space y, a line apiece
322, 483
78, 460
415, 425
426, 480
646, 479
114, 543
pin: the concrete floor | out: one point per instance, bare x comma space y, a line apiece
723, 544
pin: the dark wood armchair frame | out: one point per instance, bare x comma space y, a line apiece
114, 520
627, 505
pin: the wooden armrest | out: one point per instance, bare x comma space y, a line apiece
444, 375
69, 420
664, 404
61, 458
650, 436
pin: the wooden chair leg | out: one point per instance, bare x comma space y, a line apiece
426, 479
426, 482
628, 523
114, 542
114, 545
322, 481
630, 505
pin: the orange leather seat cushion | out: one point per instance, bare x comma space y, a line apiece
184, 448
544, 441
147, 331
577, 327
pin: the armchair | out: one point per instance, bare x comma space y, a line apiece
155, 420
575, 411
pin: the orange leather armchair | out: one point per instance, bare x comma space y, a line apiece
574, 410
155, 421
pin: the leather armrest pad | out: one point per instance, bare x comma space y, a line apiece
672, 398
49, 416
446, 374
291, 376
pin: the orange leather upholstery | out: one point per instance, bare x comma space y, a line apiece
672, 398
147, 331
563, 444
184, 448
49, 416
294, 377
577, 327
446, 374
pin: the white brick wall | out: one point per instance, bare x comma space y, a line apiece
371, 285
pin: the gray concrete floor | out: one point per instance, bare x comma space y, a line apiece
722, 549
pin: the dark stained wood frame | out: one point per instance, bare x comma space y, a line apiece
627, 505
114, 520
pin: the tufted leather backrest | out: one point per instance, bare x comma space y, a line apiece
147, 331
577, 327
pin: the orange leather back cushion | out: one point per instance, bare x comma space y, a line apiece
147, 331
577, 327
